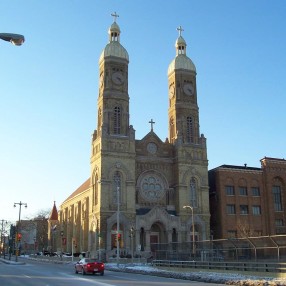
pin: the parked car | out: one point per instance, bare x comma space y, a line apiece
89, 265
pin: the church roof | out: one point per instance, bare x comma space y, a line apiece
79, 190
244, 168
114, 48
54, 213
181, 61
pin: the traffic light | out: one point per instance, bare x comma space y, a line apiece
19, 236
119, 236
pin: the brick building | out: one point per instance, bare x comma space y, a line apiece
247, 201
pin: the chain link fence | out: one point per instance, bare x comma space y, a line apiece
262, 248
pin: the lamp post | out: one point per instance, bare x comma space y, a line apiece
62, 234
15, 39
18, 237
193, 227
132, 247
34, 246
118, 228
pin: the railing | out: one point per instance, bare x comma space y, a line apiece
237, 266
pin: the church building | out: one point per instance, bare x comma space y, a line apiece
140, 192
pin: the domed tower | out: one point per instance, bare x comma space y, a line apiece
113, 100
191, 164
183, 109
113, 147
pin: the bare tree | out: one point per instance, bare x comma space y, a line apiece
244, 229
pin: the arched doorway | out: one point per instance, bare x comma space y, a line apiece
158, 239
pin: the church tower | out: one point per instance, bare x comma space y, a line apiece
190, 147
183, 108
113, 147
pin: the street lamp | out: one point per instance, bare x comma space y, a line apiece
118, 228
193, 226
62, 234
18, 227
34, 246
132, 247
15, 39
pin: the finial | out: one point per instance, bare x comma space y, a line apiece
180, 29
152, 122
115, 16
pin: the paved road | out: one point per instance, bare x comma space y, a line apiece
47, 274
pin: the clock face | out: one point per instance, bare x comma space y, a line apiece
188, 89
117, 78
152, 148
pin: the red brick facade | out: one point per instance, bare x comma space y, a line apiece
247, 201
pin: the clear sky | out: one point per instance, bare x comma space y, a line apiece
49, 86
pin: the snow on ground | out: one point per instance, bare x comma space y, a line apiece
201, 276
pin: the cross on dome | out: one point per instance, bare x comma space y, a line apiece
180, 29
115, 16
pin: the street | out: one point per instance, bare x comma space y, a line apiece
35, 273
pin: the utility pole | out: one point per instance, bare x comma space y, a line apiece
2, 230
18, 235
118, 227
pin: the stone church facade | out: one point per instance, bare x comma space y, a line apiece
148, 180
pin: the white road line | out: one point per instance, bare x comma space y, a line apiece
95, 282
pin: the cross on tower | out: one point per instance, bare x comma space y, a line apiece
180, 29
115, 16
152, 122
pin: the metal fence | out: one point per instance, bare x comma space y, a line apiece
269, 248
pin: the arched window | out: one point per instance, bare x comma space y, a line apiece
193, 192
116, 120
117, 187
95, 191
190, 130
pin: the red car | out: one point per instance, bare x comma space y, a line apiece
89, 265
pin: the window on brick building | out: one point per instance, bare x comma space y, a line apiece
258, 232
243, 209
255, 191
231, 233
229, 190
256, 210
279, 222
230, 209
277, 199
243, 191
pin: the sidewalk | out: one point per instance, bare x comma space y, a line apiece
12, 261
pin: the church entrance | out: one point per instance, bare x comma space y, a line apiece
157, 237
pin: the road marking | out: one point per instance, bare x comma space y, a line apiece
120, 277
96, 282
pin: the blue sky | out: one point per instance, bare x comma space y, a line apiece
49, 86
